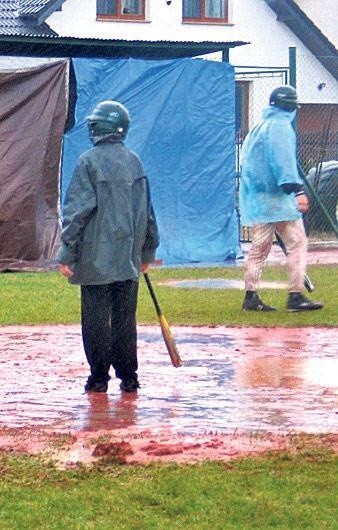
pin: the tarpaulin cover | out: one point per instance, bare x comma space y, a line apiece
183, 128
32, 119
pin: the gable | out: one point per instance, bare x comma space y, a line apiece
324, 15
316, 42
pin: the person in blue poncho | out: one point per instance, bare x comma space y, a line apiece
272, 199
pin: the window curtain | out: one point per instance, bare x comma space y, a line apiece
191, 9
214, 9
106, 7
132, 6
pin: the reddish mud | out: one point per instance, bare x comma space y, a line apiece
240, 391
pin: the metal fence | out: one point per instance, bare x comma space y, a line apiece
317, 136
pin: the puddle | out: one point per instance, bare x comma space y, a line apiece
217, 283
247, 379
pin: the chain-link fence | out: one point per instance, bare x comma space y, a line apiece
317, 135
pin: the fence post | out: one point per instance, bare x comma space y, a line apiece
292, 66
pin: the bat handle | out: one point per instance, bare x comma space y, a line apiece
308, 284
152, 293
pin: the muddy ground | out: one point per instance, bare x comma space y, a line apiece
241, 391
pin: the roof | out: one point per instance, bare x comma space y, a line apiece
31, 7
26, 17
38, 10
54, 46
299, 23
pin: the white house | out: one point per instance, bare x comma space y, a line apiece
303, 32
270, 26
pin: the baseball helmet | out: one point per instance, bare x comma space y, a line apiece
109, 117
284, 97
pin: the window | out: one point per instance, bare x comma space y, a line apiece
120, 9
205, 10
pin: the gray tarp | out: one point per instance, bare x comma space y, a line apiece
33, 109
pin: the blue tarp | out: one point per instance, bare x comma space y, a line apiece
183, 128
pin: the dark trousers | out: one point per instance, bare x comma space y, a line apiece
108, 316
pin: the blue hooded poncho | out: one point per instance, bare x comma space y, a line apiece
268, 160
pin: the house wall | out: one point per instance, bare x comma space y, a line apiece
324, 14
270, 42
250, 20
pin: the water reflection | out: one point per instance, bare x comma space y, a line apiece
106, 413
271, 371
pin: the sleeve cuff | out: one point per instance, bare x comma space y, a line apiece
148, 256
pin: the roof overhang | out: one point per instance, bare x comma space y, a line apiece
50, 46
294, 18
39, 11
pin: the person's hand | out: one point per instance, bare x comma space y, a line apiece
65, 270
302, 203
145, 267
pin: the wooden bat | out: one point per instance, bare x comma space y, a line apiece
307, 282
166, 332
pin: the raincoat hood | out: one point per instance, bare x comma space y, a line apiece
111, 137
272, 111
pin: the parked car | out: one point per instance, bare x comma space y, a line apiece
324, 181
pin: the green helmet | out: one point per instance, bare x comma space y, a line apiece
109, 118
284, 97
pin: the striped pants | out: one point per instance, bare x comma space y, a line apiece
294, 237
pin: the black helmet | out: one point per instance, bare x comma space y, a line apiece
109, 117
284, 97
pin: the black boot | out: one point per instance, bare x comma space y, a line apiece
298, 302
252, 302
130, 384
95, 386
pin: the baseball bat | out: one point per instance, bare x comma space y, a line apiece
307, 281
165, 329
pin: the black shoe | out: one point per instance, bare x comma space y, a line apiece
255, 304
129, 385
95, 386
298, 302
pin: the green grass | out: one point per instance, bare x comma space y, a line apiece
287, 491
38, 298
34, 298
284, 492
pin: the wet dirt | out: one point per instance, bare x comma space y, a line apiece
240, 391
